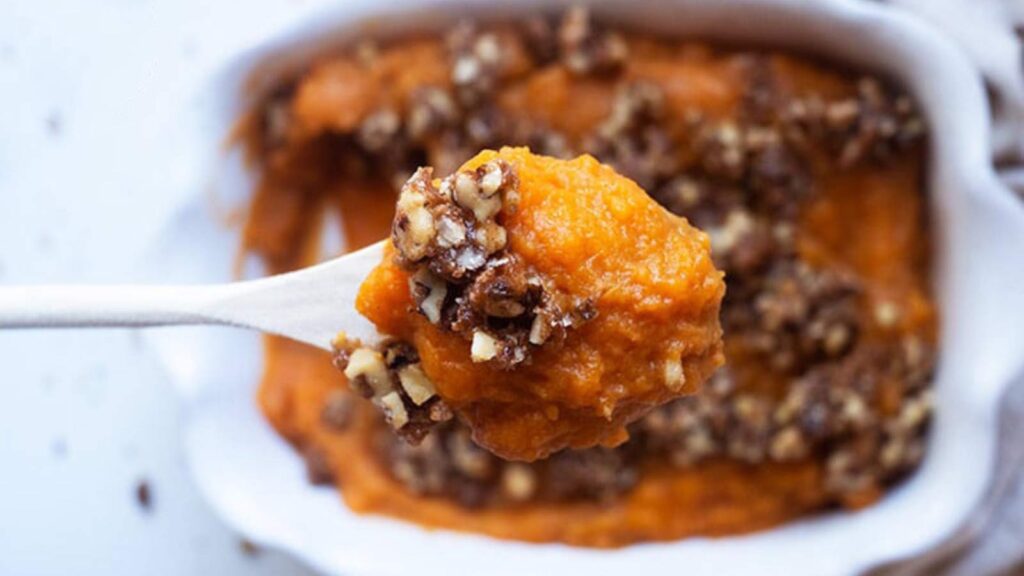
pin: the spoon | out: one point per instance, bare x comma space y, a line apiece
309, 305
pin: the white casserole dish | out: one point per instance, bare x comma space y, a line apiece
257, 482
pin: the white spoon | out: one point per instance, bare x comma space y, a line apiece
309, 305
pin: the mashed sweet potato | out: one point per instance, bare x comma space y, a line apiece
586, 234
807, 178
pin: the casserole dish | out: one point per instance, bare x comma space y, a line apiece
256, 481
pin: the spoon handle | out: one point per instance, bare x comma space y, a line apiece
309, 305
98, 306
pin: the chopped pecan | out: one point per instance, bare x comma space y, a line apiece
390, 375
874, 124
587, 48
634, 139
464, 279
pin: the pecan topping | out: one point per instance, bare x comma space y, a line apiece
480, 60
798, 316
464, 279
389, 375
755, 158
874, 124
586, 47
633, 138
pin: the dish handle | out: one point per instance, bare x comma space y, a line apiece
995, 335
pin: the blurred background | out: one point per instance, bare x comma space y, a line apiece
92, 476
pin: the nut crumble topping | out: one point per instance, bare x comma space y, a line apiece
586, 47
390, 375
633, 138
465, 280
874, 124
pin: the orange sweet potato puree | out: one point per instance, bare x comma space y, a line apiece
598, 236
868, 218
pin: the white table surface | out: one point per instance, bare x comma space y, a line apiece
90, 94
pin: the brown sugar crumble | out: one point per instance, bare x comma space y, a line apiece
586, 47
391, 376
808, 182
464, 279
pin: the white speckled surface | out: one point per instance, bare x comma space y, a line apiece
91, 93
